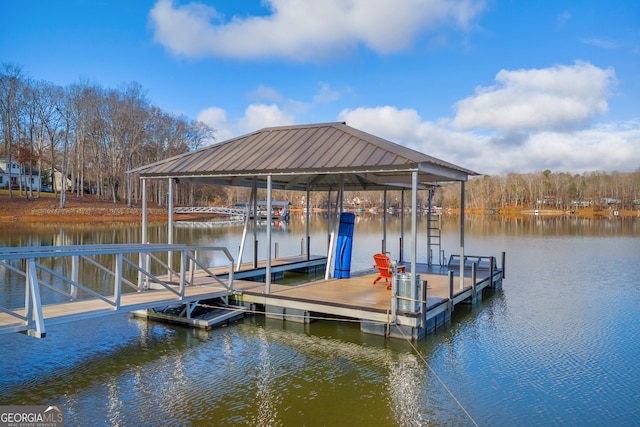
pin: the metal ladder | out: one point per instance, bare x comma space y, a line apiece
434, 229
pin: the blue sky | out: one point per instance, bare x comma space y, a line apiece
496, 86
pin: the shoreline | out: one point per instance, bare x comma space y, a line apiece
89, 209
85, 209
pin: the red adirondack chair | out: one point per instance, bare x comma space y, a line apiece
384, 271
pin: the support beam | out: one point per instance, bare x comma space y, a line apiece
462, 234
144, 212
170, 226
308, 223
384, 222
414, 226
269, 206
402, 226
334, 229
255, 223
143, 233
247, 218
36, 319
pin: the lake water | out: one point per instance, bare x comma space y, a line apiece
558, 345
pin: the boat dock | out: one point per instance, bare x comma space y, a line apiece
400, 312
412, 311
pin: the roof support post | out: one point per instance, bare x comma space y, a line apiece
247, 217
429, 217
329, 218
414, 225
254, 187
268, 268
170, 226
308, 243
144, 211
401, 226
334, 230
384, 221
143, 233
462, 186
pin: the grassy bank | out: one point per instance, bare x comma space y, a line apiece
46, 208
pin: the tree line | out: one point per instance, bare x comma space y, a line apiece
92, 135
536, 190
553, 190
89, 134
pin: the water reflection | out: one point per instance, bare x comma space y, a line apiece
556, 346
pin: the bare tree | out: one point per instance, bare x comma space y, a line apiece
11, 86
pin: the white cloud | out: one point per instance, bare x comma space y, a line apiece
256, 116
522, 138
615, 146
259, 116
602, 43
217, 119
326, 94
563, 18
557, 98
303, 30
389, 121
265, 94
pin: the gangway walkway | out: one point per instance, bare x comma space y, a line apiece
209, 209
49, 296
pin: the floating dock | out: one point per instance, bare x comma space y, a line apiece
400, 312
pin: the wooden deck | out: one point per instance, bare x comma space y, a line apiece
358, 298
356, 292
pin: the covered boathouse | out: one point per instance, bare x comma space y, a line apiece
334, 157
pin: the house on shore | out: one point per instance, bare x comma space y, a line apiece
13, 174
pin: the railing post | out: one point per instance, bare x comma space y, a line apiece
117, 286
423, 304
147, 268
35, 317
230, 273
192, 266
75, 274
28, 306
183, 272
492, 261
141, 265
394, 297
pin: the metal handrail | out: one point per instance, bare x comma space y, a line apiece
33, 319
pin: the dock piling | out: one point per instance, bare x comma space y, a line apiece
473, 282
451, 289
504, 256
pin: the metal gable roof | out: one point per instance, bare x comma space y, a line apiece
301, 156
